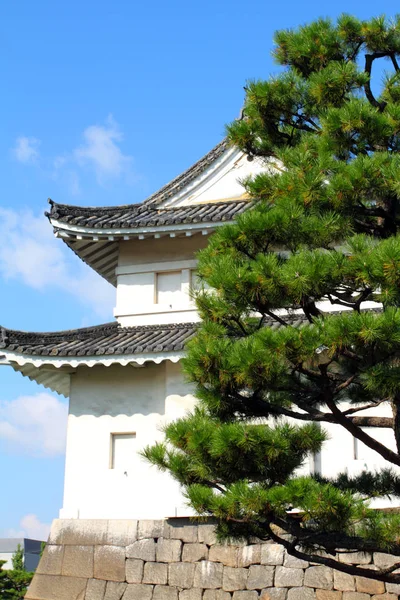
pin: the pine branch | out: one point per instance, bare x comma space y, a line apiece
369, 59
358, 433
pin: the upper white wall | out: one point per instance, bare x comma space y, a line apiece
154, 278
139, 299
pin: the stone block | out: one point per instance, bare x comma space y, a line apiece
225, 554
245, 596
249, 555
168, 550
142, 549
181, 574
95, 589
207, 535
84, 532
369, 586
273, 594
319, 577
301, 593
294, 563
343, 582
287, 577
78, 561
194, 552
193, 594
121, 532
272, 554
56, 532
208, 575
156, 573
109, 563
56, 587
114, 590
134, 570
181, 529
137, 591
328, 595
234, 579
150, 529
355, 558
386, 596
382, 560
51, 560
164, 592
216, 595
355, 596
260, 576
393, 588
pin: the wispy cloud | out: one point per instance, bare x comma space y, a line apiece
29, 527
101, 152
35, 424
26, 149
30, 253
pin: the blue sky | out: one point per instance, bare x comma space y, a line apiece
102, 103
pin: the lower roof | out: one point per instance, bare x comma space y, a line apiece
100, 340
50, 358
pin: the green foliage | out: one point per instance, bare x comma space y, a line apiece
14, 583
18, 559
323, 230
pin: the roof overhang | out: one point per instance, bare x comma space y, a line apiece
54, 372
100, 249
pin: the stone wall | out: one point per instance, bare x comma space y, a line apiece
178, 560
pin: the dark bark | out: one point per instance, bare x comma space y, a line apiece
385, 422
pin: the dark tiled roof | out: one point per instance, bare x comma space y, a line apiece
100, 340
147, 213
133, 216
110, 338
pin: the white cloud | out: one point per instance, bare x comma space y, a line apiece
29, 527
30, 253
100, 150
26, 149
34, 424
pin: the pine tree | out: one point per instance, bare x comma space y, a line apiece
18, 559
272, 360
13, 583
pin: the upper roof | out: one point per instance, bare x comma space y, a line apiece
202, 198
138, 216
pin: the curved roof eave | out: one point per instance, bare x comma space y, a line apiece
50, 358
93, 233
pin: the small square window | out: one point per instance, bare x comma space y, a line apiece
169, 288
123, 450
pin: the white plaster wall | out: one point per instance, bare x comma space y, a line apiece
140, 261
149, 250
121, 400
118, 399
220, 181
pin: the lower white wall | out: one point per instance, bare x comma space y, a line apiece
116, 399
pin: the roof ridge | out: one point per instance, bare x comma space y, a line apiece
157, 197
